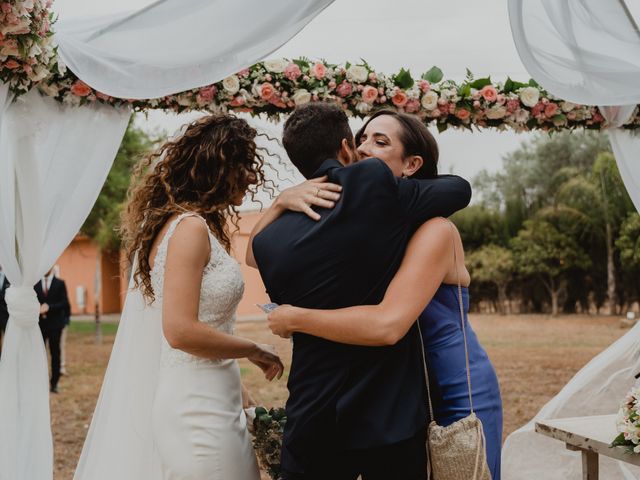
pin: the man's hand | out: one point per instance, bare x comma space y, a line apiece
281, 320
44, 308
315, 192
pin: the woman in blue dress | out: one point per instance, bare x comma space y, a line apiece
432, 269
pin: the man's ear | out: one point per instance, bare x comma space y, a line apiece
413, 164
347, 154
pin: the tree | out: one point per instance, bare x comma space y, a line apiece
493, 264
598, 202
541, 251
628, 243
479, 225
103, 221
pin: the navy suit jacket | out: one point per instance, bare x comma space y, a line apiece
59, 308
346, 396
4, 313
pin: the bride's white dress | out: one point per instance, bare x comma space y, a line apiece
165, 414
198, 423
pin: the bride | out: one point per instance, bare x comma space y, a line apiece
171, 403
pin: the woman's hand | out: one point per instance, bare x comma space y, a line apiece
247, 399
315, 192
265, 357
281, 320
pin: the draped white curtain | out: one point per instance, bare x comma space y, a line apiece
53, 161
588, 52
176, 45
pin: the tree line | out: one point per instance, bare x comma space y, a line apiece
554, 231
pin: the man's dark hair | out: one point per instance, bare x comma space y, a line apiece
314, 133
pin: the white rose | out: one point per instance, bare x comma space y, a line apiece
496, 112
521, 116
363, 107
429, 100
50, 90
276, 66
301, 97
567, 106
231, 84
184, 100
358, 74
530, 96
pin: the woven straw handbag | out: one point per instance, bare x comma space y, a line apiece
458, 451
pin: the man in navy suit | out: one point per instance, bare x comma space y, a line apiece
351, 410
4, 313
54, 311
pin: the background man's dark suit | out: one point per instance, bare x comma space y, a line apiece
52, 323
345, 397
4, 314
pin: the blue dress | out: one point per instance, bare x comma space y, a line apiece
444, 349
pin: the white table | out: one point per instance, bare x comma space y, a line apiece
592, 436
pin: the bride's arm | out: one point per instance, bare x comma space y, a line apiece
187, 256
426, 262
315, 192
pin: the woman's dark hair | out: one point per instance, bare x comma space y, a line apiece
202, 171
416, 140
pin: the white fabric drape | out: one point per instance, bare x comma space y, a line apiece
583, 51
53, 161
587, 52
176, 45
120, 444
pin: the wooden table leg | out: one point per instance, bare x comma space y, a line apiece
590, 466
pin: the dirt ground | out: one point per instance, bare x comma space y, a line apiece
534, 356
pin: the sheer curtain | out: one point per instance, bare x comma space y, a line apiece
583, 51
176, 45
53, 161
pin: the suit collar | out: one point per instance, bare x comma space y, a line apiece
327, 165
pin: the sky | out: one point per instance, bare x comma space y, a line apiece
414, 34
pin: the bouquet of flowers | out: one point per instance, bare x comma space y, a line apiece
628, 422
267, 429
27, 53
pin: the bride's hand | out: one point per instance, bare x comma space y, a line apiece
266, 358
281, 320
315, 192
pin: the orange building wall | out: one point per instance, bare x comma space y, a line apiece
77, 267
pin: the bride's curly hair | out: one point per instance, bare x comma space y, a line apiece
201, 171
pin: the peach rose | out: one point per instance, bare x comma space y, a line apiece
319, 70
463, 114
399, 98
80, 89
489, 93
369, 94
551, 109
237, 101
266, 91
12, 64
103, 96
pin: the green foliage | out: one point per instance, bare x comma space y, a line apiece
404, 79
434, 75
629, 242
491, 263
104, 219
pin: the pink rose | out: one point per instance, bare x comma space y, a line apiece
551, 109
292, 72
12, 64
597, 117
6, 7
399, 98
80, 89
344, 89
369, 94
476, 104
206, 94
513, 105
244, 73
266, 91
412, 106
268, 77
463, 114
424, 86
237, 101
103, 96
332, 84
489, 93
319, 70
537, 109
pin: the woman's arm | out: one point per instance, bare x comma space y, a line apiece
315, 192
426, 262
188, 253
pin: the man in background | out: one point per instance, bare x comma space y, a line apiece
54, 308
4, 313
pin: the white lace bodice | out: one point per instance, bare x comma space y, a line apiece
221, 291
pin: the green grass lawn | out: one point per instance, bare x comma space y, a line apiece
90, 327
